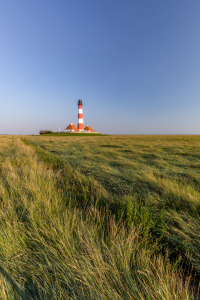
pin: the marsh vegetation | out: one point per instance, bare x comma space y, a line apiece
99, 217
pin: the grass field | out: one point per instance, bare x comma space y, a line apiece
99, 217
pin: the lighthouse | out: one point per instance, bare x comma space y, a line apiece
80, 128
80, 115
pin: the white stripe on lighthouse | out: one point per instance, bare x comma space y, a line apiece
80, 111
80, 120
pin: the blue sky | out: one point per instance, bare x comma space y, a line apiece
135, 64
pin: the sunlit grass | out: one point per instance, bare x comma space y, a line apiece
149, 180
52, 249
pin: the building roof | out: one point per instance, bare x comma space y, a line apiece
72, 127
88, 128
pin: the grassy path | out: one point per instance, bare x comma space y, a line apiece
50, 249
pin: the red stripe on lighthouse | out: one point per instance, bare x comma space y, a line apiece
80, 126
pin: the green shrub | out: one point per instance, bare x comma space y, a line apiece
45, 132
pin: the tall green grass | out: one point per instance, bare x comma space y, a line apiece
148, 180
52, 249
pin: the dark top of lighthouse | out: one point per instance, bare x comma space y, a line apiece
80, 102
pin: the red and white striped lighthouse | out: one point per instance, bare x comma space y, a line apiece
80, 115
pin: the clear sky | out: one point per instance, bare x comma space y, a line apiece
134, 63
